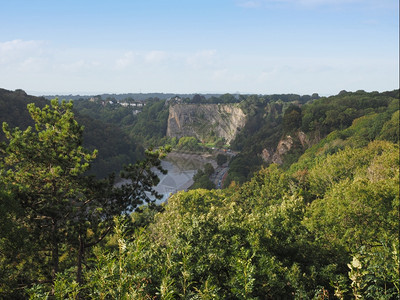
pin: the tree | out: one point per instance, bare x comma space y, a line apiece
63, 209
221, 159
197, 99
106, 201
208, 169
43, 169
188, 143
292, 119
202, 178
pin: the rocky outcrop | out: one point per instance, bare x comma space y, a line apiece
284, 146
205, 121
305, 142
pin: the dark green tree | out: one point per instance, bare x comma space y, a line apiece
208, 169
221, 159
43, 170
61, 209
202, 178
291, 119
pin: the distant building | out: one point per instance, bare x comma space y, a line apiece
132, 104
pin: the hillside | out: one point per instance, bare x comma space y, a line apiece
322, 223
115, 147
280, 133
265, 129
13, 108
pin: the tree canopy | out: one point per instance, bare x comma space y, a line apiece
52, 203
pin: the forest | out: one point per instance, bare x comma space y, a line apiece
324, 224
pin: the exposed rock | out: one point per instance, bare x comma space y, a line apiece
266, 155
305, 142
205, 121
283, 147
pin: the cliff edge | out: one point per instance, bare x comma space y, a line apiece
206, 122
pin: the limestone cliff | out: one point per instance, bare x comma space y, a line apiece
206, 122
284, 146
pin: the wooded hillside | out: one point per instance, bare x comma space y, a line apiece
323, 225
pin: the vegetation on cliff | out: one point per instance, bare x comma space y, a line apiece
358, 117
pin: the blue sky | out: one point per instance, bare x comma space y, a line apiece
199, 46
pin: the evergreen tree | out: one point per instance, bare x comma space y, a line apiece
53, 202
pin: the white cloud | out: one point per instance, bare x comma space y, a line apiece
74, 66
36, 65
155, 56
125, 61
202, 59
15, 51
227, 76
33, 64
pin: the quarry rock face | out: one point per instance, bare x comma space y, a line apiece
205, 121
284, 146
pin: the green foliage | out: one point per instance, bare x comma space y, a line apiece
43, 169
56, 209
263, 240
325, 228
363, 130
150, 125
208, 169
390, 130
337, 112
188, 143
221, 159
357, 212
374, 272
114, 146
242, 168
291, 119
13, 109
202, 178
267, 186
124, 273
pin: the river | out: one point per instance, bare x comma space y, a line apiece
181, 168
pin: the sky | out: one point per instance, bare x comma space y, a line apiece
91, 47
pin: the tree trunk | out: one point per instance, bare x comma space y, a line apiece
81, 253
54, 254
54, 251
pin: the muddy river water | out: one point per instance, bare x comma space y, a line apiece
181, 168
